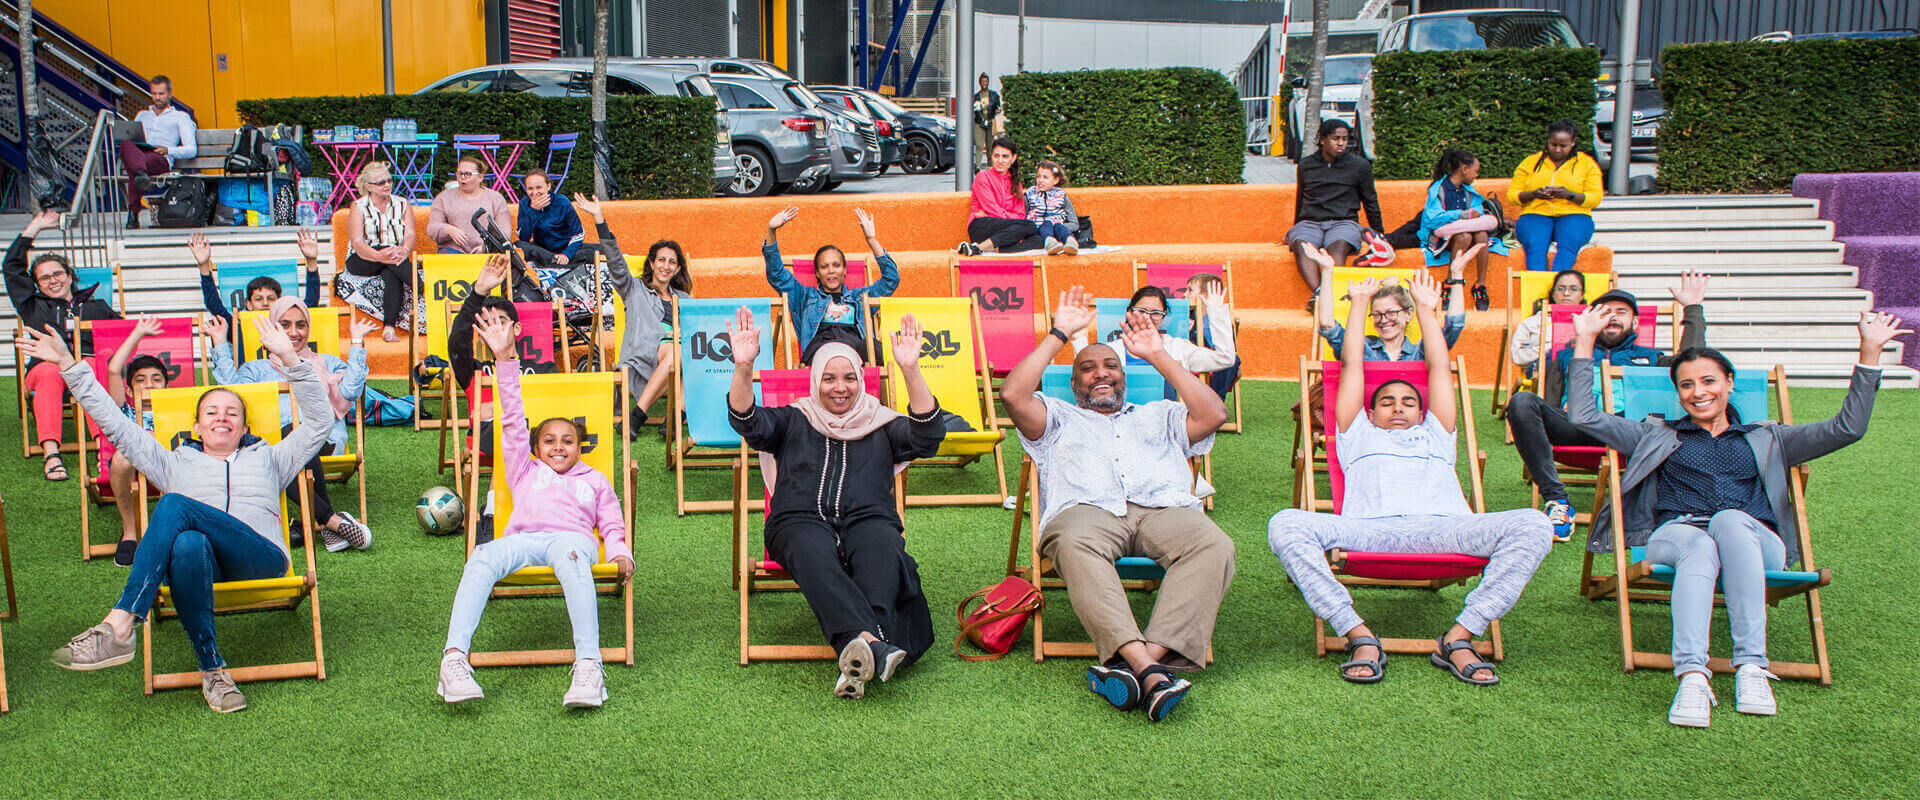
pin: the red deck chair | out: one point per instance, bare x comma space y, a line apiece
1579, 465
173, 345
857, 276
1010, 298
1431, 571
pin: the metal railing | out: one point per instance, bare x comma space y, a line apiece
92, 224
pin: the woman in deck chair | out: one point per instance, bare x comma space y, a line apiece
1208, 352
345, 381
1698, 497
560, 504
219, 519
831, 522
646, 346
1403, 496
828, 311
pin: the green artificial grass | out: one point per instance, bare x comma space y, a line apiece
1269, 719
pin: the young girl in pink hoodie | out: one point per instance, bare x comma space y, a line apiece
558, 504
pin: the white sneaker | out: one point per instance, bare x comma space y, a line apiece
849, 689
456, 679
1752, 692
589, 687
355, 532
1053, 246
1693, 703
1070, 247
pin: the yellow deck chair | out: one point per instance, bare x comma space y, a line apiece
1319, 350
1524, 287
323, 337
442, 278
951, 362
1172, 278
173, 413
174, 346
589, 398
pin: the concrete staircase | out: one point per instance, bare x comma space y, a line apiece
1780, 293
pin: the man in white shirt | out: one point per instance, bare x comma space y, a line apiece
170, 137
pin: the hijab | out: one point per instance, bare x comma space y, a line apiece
289, 303
866, 415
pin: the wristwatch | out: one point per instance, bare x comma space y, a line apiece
1064, 339
1461, 281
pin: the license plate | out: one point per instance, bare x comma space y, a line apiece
1646, 131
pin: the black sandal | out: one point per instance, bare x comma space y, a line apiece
1379, 667
1114, 683
1162, 699
54, 464
1444, 660
1480, 299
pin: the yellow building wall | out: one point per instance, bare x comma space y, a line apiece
277, 48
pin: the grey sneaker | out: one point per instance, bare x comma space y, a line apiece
353, 531
335, 541
222, 695
95, 648
456, 679
589, 687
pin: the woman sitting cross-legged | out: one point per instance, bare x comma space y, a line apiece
1403, 496
831, 520
559, 503
219, 519
1708, 495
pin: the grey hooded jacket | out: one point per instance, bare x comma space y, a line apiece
640, 344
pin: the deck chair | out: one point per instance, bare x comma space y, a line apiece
442, 278
110, 279
230, 278
537, 345
858, 274
1011, 296
111, 290
1172, 279
1431, 571
702, 373
590, 398
6, 574
1107, 316
1579, 465
1319, 349
323, 337
1525, 287
1649, 390
173, 413
951, 362
1137, 573
777, 387
174, 347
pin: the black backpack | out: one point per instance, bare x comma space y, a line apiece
186, 204
252, 152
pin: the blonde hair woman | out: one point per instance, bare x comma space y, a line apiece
380, 235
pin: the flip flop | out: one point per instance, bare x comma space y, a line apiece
1444, 660
1379, 667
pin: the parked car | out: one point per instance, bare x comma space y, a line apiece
891, 144
855, 142
572, 77
1883, 33
927, 140
746, 67
1339, 97
777, 140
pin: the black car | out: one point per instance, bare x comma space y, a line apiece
926, 140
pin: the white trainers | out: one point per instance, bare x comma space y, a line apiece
1753, 692
589, 687
1070, 247
1693, 703
352, 532
1052, 246
456, 679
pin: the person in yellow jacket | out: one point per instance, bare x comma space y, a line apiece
1556, 190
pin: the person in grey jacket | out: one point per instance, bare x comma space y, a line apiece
646, 346
219, 519
1708, 495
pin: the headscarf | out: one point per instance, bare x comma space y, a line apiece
866, 415
328, 377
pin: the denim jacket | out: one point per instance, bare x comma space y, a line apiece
808, 304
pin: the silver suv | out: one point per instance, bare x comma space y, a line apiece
779, 139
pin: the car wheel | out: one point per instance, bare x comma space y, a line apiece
753, 172
919, 158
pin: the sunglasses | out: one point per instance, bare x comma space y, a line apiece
381, 182
465, 173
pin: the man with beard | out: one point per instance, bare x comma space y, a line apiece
1114, 481
1539, 421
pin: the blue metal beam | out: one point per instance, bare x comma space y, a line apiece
860, 53
926, 38
893, 42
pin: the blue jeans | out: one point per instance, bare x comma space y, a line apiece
1054, 230
1735, 550
1567, 233
191, 545
571, 555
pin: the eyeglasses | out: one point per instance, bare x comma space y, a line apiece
1385, 315
381, 182
465, 173
1149, 312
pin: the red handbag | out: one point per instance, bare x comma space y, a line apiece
996, 623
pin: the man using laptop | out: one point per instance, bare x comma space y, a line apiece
168, 136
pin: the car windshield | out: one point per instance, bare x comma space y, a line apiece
1347, 70
881, 101
803, 95
1482, 31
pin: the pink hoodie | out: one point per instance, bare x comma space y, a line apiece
994, 195
543, 500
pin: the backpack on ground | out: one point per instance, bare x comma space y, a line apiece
252, 152
386, 410
186, 204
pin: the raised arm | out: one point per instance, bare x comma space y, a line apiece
1350, 395
225, 365
1583, 409
314, 415
1802, 443
1441, 402
906, 356
135, 442
310, 259
1691, 294
117, 365
498, 336
778, 276
744, 337
1029, 414
20, 285
1205, 412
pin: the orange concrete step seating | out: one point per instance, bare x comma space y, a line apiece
1245, 225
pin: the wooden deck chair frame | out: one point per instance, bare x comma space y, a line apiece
1225, 270
6, 575
417, 349
1510, 378
539, 581
90, 493
1808, 579
339, 467
752, 575
1309, 500
453, 457
963, 452
682, 452
284, 593
117, 297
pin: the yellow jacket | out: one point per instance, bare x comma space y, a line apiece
1580, 174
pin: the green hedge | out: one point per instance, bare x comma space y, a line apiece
1748, 116
1129, 127
663, 146
1495, 104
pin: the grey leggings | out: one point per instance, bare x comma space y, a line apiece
1513, 542
1733, 549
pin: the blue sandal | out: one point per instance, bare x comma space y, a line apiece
1114, 683
1161, 700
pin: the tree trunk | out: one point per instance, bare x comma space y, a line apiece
1316, 76
601, 148
29, 81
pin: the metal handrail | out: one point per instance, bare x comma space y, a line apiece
89, 166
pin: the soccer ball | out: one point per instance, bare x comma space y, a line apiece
440, 511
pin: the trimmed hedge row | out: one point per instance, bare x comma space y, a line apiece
662, 148
1129, 127
1495, 104
1748, 116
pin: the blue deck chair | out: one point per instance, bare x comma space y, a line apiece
230, 278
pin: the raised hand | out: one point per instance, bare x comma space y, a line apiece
202, 252
498, 334
359, 327
866, 221
744, 338
492, 274
1460, 261
906, 343
1587, 325
217, 328
1141, 336
1692, 289
1362, 291
1875, 331
144, 327
309, 245
40, 222
785, 216
1074, 312
589, 205
1426, 294
276, 341
1214, 297
45, 345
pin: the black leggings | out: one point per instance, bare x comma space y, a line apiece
1008, 235
858, 578
322, 503
393, 277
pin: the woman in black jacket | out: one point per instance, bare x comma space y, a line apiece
43, 296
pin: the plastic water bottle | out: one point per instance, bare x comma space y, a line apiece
306, 213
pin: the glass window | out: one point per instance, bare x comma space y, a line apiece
621, 86
541, 82
729, 68
802, 96
737, 96
1348, 70
888, 106
470, 82
1482, 31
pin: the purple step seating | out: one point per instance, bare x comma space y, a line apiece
1877, 216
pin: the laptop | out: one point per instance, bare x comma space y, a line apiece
130, 131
